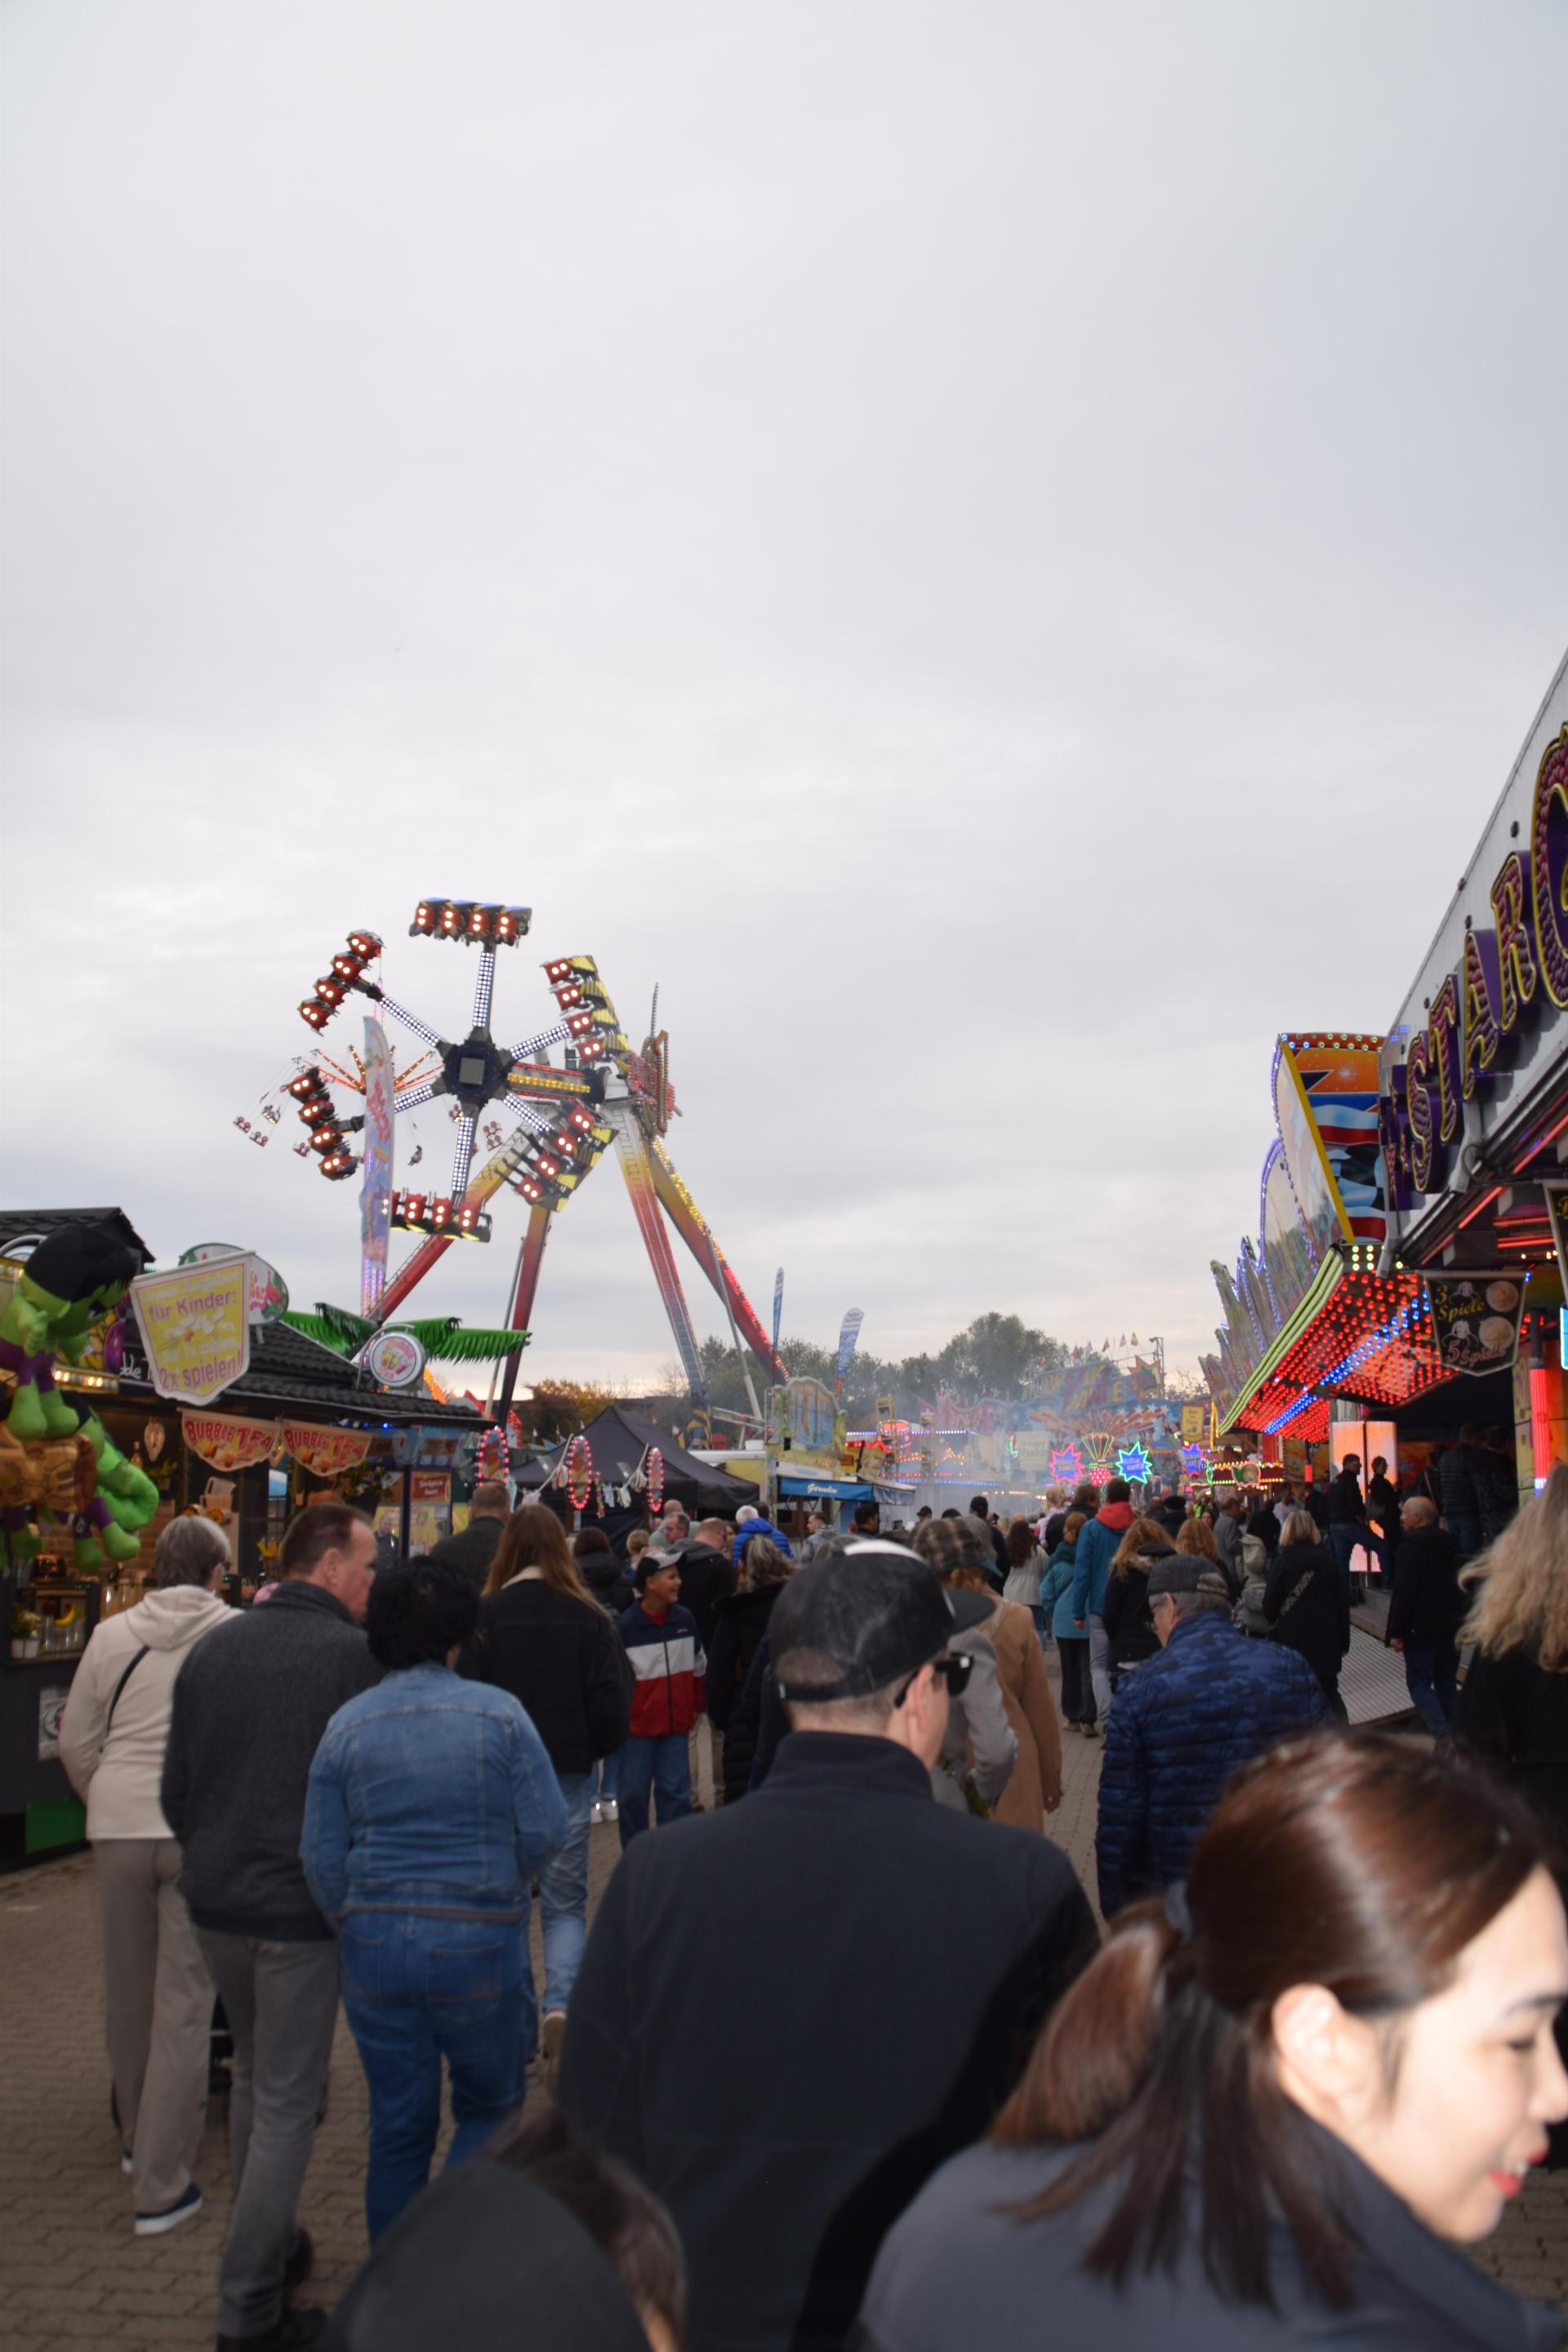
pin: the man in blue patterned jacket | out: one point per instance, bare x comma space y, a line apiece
1211, 1701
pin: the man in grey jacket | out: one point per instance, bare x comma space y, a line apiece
249, 1713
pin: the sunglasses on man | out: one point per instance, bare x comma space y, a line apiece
954, 1670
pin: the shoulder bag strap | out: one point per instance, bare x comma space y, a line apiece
119, 1686
1293, 1596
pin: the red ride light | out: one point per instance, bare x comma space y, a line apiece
329, 989
365, 945
315, 1013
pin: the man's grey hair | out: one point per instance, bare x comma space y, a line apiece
1196, 1604
187, 1552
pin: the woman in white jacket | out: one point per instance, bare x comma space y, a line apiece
158, 1995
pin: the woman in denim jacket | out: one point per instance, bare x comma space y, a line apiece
432, 1804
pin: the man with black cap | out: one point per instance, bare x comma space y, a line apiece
792, 2011
1186, 1720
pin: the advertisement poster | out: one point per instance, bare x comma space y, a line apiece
195, 1327
226, 1442
325, 1452
268, 1299
376, 1187
1476, 1319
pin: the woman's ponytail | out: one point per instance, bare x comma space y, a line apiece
1095, 2053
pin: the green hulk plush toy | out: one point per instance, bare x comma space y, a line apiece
73, 1279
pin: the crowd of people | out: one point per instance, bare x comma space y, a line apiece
848, 2057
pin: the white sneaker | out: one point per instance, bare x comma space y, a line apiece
596, 1816
611, 1810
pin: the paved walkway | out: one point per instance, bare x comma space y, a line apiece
70, 2271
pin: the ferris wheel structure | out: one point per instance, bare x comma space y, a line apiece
566, 1116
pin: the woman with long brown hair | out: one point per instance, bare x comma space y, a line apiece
1280, 2098
542, 1636
1125, 1610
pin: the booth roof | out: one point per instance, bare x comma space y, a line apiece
618, 1440
285, 1368
34, 1225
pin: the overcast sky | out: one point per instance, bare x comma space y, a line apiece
999, 554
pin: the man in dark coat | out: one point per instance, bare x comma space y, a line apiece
1426, 1610
476, 1547
880, 1968
251, 1703
1211, 1701
1348, 1529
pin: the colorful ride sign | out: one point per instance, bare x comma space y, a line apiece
196, 1325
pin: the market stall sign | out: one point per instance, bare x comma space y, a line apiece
195, 1326
395, 1360
269, 1297
225, 1441
1475, 1320
325, 1452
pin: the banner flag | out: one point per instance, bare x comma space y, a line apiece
376, 1187
778, 1308
227, 1443
325, 1453
849, 1331
1475, 1319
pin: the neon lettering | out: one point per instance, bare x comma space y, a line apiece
1443, 1044
1518, 978
1482, 1033
1549, 867
1418, 1109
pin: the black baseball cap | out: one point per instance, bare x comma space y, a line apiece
877, 1611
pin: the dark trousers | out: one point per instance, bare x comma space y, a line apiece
1077, 1693
1430, 1677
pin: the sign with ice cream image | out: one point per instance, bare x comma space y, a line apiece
1475, 1318
195, 1326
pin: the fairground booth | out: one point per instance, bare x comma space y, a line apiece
1405, 1278
287, 1420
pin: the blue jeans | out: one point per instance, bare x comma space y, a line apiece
417, 1989
1465, 1527
564, 1894
1431, 1678
608, 1769
663, 1765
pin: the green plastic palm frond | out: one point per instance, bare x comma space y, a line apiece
445, 1339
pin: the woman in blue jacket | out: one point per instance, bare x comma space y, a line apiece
432, 1803
1072, 1640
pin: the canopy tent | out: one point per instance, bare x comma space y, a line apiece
618, 1440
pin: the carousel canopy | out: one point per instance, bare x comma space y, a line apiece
618, 1440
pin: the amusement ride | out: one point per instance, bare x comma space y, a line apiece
564, 1116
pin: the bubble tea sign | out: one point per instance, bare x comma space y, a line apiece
196, 1325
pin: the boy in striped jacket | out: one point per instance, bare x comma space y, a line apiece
667, 1665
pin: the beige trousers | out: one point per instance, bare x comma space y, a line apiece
158, 2001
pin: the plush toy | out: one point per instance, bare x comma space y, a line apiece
72, 1280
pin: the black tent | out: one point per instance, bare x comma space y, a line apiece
618, 1440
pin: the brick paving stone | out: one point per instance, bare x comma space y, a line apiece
70, 2271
